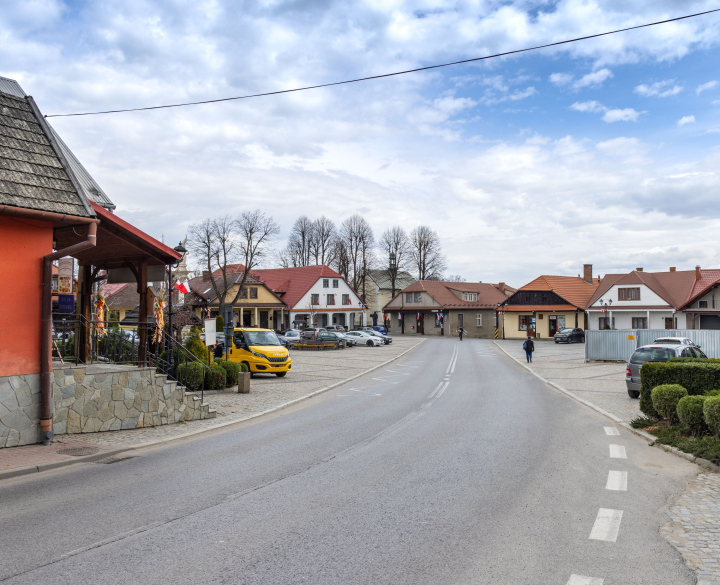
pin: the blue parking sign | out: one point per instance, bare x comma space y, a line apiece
66, 303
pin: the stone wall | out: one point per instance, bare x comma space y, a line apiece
89, 399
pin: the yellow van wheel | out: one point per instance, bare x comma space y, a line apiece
280, 374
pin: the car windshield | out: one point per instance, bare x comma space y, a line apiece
261, 338
566, 331
651, 354
292, 334
668, 340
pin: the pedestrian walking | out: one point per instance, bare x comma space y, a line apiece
529, 347
460, 332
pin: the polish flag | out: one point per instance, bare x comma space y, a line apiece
181, 287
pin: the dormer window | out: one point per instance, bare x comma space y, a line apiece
468, 296
702, 305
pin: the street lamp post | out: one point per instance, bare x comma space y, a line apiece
606, 308
180, 250
392, 269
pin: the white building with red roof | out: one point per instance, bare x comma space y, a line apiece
315, 296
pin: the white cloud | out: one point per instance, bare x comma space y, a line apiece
521, 95
705, 86
610, 114
713, 131
561, 78
658, 89
592, 106
594, 79
686, 120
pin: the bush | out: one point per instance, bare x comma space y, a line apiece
244, 368
665, 400
231, 369
216, 378
694, 359
191, 375
196, 346
711, 412
219, 324
697, 378
691, 415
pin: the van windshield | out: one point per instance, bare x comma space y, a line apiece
261, 338
651, 354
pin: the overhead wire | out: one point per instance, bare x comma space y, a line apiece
381, 76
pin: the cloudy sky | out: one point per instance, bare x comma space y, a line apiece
604, 151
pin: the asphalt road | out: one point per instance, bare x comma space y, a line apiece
450, 466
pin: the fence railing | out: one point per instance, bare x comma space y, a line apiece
619, 344
116, 345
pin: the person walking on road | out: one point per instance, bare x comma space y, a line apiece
529, 347
460, 332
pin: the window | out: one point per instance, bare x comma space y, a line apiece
243, 293
544, 298
55, 285
460, 319
629, 294
314, 299
527, 297
335, 282
686, 353
346, 299
253, 292
331, 299
470, 296
408, 297
418, 297
478, 320
701, 304
605, 323
326, 282
438, 320
524, 322
639, 322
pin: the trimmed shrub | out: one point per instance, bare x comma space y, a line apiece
694, 359
216, 378
244, 368
231, 369
665, 400
711, 412
191, 375
697, 378
219, 324
196, 346
691, 414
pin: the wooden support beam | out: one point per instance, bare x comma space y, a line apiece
142, 313
86, 312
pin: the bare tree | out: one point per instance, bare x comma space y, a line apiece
358, 241
426, 253
340, 258
321, 240
298, 249
455, 278
394, 244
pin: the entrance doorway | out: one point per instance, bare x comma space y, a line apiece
263, 319
552, 325
420, 319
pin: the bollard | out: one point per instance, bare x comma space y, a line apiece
243, 383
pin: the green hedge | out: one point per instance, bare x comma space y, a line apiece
665, 400
191, 375
711, 411
216, 378
231, 369
692, 359
691, 415
697, 377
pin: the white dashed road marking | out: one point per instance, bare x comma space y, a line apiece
611, 431
607, 525
617, 452
582, 580
617, 481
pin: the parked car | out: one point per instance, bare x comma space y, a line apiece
338, 328
349, 340
569, 335
365, 337
335, 336
290, 337
380, 329
311, 332
661, 352
676, 340
387, 340
364, 328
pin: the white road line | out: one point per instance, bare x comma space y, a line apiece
452, 370
582, 580
439, 394
617, 452
611, 431
607, 525
617, 481
453, 358
432, 394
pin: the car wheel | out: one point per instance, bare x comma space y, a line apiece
556, 341
633, 394
280, 374
370, 343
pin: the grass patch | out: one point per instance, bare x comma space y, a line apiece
675, 436
643, 422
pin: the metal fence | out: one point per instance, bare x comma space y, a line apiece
615, 345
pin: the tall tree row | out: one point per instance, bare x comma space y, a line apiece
426, 253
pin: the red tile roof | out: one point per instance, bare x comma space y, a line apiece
442, 292
673, 287
573, 289
292, 284
708, 278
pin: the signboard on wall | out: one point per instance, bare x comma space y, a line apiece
66, 303
64, 284
210, 331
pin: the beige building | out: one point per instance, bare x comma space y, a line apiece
379, 292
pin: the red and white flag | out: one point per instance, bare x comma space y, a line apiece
181, 287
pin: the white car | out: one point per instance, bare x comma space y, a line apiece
365, 337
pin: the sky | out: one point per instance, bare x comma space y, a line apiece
605, 152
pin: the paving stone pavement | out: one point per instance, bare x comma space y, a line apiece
694, 527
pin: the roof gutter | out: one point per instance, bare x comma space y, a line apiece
46, 399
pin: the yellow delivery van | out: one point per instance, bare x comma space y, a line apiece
260, 350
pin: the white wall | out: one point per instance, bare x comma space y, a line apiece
647, 297
623, 319
303, 305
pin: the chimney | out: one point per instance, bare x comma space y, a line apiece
638, 269
587, 273
206, 276
697, 273
501, 287
672, 269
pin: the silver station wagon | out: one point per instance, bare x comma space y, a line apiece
661, 350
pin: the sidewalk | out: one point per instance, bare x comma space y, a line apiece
313, 372
694, 524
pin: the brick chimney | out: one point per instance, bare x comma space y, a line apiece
587, 273
697, 273
206, 276
501, 287
672, 269
638, 269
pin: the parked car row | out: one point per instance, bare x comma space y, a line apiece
363, 335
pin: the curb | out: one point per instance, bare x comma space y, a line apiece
653, 441
10, 473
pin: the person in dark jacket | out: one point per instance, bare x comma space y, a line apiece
219, 350
460, 332
529, 347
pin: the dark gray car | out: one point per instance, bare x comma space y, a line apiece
655, 352
569, 335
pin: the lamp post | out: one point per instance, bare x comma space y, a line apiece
606, 309
392, 269
182, 251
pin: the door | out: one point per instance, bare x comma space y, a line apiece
420, 320
669, 323
709, 321
263, 319
552, 325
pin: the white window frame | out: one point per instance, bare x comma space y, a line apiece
326, 283
335, 283
470, 296
478, 320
